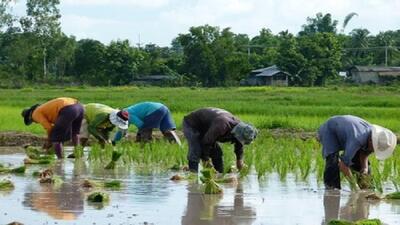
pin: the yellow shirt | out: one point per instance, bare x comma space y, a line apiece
47, 113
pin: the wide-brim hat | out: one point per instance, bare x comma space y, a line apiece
27, 114
244, 133
120, 119
383, 141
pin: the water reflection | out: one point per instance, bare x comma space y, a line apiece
65, 202
205, 209
356, 207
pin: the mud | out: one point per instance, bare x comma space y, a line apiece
13, 138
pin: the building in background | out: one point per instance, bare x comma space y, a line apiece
374, 74
269, 76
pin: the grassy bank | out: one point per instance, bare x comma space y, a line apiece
266, 107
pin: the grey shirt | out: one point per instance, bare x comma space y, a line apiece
348, 133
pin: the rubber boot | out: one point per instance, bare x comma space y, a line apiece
58, 149
171, 136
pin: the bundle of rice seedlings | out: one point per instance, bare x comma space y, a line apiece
18, 170
6, 185
114, 184
115, 156
359, 222
32, 152
78, 152
394, 195
37, 161
208, 178
364, 181
98, 197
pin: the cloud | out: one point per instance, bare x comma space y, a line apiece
133, 3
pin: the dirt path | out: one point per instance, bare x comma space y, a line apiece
13, 138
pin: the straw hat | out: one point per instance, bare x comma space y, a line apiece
119, 118
383, 141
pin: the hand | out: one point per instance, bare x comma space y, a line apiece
240, 164
364, 171
47, 145
207, 163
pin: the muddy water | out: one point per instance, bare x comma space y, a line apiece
155, 199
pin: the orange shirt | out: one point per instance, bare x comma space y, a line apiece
47, 113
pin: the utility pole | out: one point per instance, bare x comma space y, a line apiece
386, 54
139, 43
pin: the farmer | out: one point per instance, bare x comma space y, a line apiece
205, 127
358, 139
100, 120
147, 116
62, 119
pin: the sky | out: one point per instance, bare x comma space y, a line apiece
160, 21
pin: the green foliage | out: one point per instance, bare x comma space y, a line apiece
359, 222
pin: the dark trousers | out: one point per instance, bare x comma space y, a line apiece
68, 123
195, 150
332, 171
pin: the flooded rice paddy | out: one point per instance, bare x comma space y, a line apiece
154, 199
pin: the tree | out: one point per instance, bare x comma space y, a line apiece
43, 21
6, 18
121, 62
347, 19
319, 24
289, 58
90, 62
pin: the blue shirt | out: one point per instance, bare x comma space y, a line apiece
137, 113
348, 133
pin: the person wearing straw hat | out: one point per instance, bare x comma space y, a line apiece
60, 117
100, 120
147, 116
358, 139
205, 127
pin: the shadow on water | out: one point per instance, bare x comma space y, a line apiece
205, 209
63, 202
154, 199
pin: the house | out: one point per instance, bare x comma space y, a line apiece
158, 80
374, 74
270, 76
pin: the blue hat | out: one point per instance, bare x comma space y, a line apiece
244, 133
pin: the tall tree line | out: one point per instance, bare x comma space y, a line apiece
33, 49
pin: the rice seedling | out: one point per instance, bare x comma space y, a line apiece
6, 185
98, 197
115, 156
113, 184
18, 170
208, 177
394, 195
359, 222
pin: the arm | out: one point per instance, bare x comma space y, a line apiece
94, 126
364, 162
119, 135
239, 155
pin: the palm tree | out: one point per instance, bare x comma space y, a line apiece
347, 20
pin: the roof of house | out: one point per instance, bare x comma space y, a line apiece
268, 71
381, 70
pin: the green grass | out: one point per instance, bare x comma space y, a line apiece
265, 107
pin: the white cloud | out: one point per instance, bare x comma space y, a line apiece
134, 3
